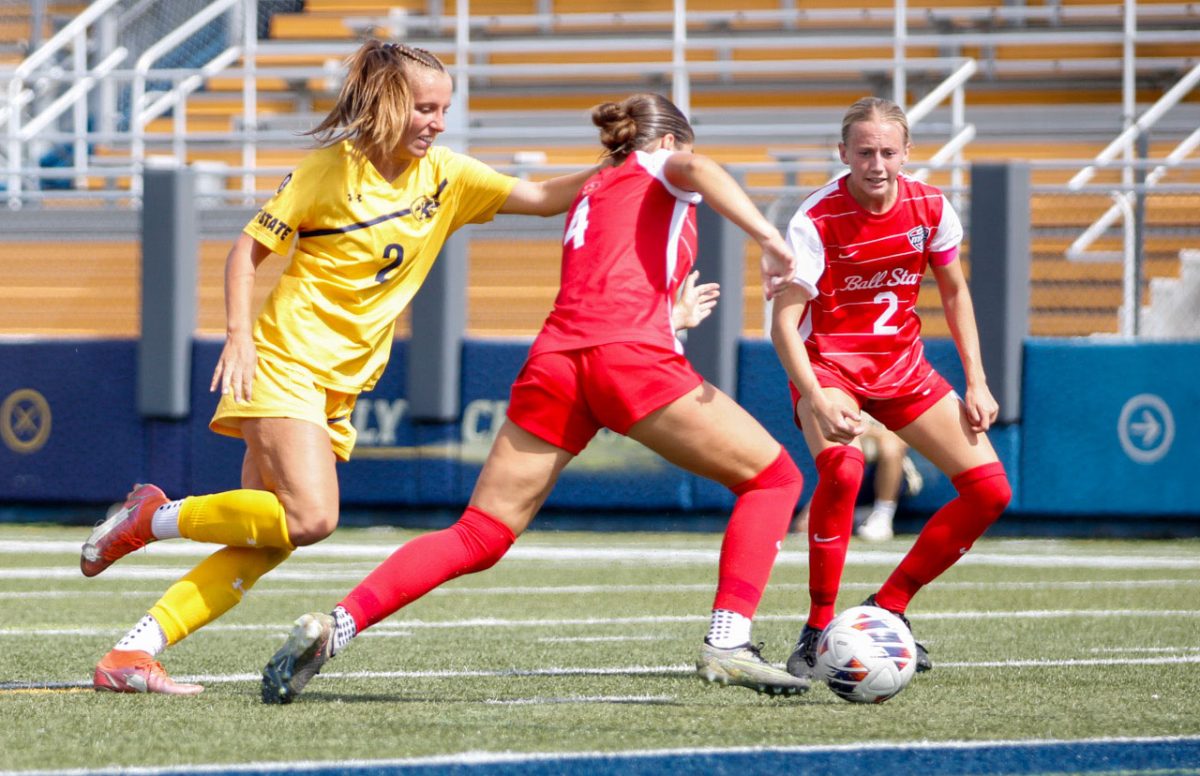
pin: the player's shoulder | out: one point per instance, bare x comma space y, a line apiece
916, 189
441, 155
458, 169
645, 166
316, 166
830, 198
332, 155
441, 158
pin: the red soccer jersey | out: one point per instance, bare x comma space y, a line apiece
865, 271
629, 242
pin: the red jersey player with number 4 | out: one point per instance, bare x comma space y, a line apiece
848, 335
608, 356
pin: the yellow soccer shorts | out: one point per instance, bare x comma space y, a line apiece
285, 390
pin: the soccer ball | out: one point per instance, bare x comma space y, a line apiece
866, 655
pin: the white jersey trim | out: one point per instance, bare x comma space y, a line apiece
806, 244
674, 239
653, 163
949, 231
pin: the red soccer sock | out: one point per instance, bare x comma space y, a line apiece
983, 494
476, 542
830, 523
760, 520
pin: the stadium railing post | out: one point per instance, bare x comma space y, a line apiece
439, 314
712, 347
1000, 275
170, 243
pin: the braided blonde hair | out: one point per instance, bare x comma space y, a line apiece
375, 101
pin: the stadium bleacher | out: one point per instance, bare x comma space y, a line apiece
1018, 82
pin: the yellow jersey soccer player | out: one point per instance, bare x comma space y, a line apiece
367, 213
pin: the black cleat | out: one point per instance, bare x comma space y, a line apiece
923, 661
293, 666
804, 656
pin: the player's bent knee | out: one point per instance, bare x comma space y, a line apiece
312, 530
987, 489
782, 474
485, 538
841, 470
995, 495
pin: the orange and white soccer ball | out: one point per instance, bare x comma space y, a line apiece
866, 655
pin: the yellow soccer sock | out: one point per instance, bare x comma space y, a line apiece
212, 588
239, 518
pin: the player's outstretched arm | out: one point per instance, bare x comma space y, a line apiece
548, 197
982, 407
696, 172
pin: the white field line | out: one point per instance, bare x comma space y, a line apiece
577, 761
677, 669
265, 586
646, 555
651, 699
1144, 649
594, 639
403, 627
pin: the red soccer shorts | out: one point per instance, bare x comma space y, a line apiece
908, 402
565, 397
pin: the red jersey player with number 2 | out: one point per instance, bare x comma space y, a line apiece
608, 356
848, 335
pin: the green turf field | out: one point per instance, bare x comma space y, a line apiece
585, 642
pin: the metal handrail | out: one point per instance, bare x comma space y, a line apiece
1129, 295
1078, 249
68, 98
18, 96
61, 38
1123, 143
397, 20
151, 55
678, 66
1126, 139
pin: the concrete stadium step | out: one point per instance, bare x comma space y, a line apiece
1173, 307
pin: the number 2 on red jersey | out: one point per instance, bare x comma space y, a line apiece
893, 303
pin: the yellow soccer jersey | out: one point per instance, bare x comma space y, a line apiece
363, 247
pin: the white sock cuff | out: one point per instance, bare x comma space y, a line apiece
146, 636
344, 629
728, 629
164, 524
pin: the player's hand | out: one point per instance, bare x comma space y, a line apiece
695, 303
837, 424
777, 266
235, 369
982, 408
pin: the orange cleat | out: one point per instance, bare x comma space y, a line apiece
123, 531
136, 671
